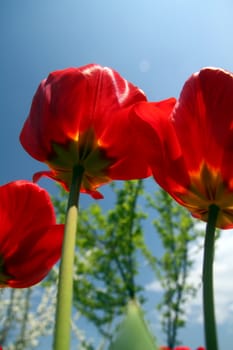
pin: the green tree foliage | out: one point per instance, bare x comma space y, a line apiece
176, 230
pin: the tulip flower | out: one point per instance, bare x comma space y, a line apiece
190, 147
79, 116
30, 240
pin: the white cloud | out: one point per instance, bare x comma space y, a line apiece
154, 286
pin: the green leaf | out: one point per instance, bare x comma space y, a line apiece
133, 332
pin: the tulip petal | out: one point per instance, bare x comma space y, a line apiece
161, 147
203, 118
30, 239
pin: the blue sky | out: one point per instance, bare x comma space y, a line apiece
154, 44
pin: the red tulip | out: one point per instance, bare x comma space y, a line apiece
164, 348
190, 147
80, 116
30, 241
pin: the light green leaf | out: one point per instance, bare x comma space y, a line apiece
133, 332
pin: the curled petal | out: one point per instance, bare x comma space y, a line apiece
52, 175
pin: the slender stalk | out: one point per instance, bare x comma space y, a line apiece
62, 333
208, 290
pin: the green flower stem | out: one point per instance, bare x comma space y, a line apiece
65, 285
208, 291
